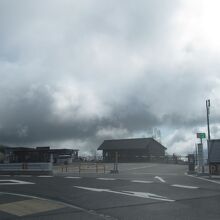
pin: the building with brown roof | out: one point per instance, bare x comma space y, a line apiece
132, 150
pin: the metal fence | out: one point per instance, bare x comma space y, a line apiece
81, 168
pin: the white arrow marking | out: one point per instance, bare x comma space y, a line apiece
149, 196
187, 187
159, 178
130, 193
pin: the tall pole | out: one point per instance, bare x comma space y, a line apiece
208, 113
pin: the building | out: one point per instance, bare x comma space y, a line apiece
132, 150
29, 155
39, 154
64, 156
4, 153
214, 156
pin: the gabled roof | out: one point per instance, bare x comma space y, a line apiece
128, 144
214, 154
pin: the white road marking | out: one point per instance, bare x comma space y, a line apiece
183, 186
14, 182
106, 179
167, 174
129, 193
72, 177
212, 181
137, 168
141, 181
160, 178
92, 189
150, 196
45, 176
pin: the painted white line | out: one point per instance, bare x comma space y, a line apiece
106, 179
92, 189
72, 177
14, 182
137, 168
141, 181
45, 176
129, 193
21, 195
160, 179
186, 187
167, 174
23, 175
212, 181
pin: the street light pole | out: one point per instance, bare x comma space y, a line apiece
208, 113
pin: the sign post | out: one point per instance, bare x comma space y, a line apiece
191, 163
200, 151
208, 142
201, 136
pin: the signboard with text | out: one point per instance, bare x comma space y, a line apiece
201, 135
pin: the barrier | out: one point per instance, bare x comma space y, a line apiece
214, 169
82, 168
26, 168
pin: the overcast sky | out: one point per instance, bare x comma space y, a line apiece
74, 73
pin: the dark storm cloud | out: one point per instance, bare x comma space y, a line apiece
135, 115
29, 118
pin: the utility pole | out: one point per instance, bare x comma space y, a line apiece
208, 113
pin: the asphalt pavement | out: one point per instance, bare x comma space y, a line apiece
138, 191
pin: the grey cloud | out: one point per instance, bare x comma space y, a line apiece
179, 137
30, 118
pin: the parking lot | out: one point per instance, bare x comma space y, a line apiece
138, 191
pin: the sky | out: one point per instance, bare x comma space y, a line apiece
74, 73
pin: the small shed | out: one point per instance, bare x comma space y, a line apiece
214, 156
64, 155
132, 150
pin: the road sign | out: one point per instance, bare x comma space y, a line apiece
201, 135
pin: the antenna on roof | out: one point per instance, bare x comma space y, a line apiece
156, 134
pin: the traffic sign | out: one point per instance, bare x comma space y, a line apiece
201, 135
